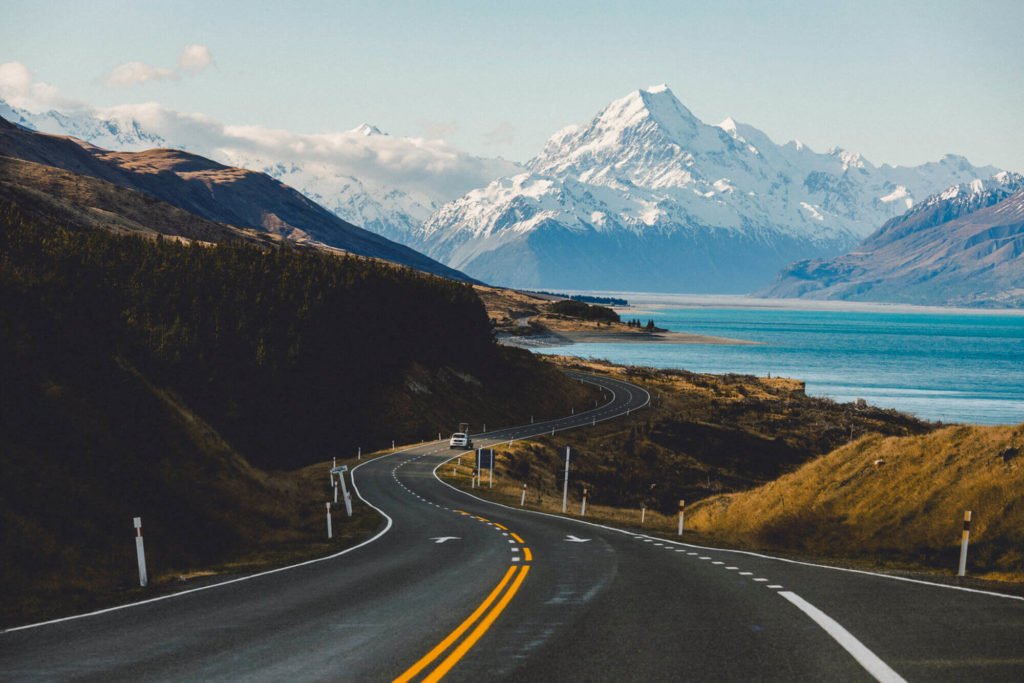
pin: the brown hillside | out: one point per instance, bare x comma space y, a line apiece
898, 498
58, 197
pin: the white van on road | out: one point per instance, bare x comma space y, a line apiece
460, 440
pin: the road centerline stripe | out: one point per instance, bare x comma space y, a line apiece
459, 630
481, 628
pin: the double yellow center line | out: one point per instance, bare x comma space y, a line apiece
479, 621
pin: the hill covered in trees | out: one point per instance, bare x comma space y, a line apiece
186, 382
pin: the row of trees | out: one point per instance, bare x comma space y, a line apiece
278, 347
635, 322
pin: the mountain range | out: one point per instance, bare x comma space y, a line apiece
645, 196
961, 247
648, 197
64, 177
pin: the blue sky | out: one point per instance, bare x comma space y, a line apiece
899, 82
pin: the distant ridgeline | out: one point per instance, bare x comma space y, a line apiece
291, 355
586, 298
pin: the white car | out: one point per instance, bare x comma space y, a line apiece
460, 440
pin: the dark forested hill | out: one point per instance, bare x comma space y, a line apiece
147, 376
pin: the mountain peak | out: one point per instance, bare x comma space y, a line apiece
367, 130
658, 89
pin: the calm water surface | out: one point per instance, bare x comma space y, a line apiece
954, 367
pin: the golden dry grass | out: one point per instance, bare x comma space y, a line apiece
897, 497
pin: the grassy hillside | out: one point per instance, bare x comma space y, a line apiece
704, 434
897, 498
191, 385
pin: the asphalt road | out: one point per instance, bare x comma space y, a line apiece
458, 588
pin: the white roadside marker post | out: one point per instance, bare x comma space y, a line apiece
340, 471
439, 436
583, 504
334, 485
522, 499
359, 453
963, 543
345, 494
565, 484
330, 531
682, 515
490, 477
392, 444
140, 552
643, 513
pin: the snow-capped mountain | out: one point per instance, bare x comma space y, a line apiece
120, 133
647, 196
386, 184
962, 246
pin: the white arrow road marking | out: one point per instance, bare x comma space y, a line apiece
442, 539
574, 539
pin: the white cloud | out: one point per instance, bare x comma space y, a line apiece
133, 73
415, 164
19, 88
194, 58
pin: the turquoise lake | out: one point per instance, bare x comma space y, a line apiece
949, 366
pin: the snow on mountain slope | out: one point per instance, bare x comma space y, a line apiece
963, 246
710, 208
387, 184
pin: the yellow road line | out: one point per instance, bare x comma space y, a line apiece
527, 555
518, 539
501, 526
454, 635
453, 659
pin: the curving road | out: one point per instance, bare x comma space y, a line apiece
462, 589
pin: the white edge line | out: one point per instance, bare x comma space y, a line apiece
219, 584
748, 553
866, 658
